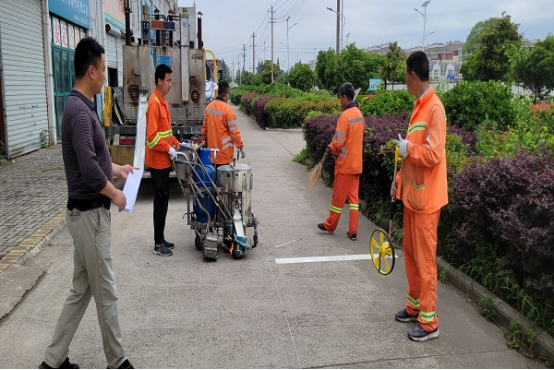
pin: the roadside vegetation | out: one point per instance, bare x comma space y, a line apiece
497, 227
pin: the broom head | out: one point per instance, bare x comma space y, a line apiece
315, 174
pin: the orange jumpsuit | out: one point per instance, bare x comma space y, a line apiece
422, 187
159, 134
347, 145
220, 130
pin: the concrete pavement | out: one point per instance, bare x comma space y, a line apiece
183, 312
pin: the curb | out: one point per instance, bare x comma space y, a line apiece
284, 129
33, 244
544, 345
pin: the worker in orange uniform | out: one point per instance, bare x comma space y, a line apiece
220, 130
346, 146
160, 151
422, 188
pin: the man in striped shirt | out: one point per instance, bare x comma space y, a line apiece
89, 172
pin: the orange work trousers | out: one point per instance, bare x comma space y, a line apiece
420, 249
345, 188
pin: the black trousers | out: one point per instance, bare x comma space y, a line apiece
160, 181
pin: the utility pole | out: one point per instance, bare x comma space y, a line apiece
272, 22
338, 27
238, 70
243, 57
288, 49
253, 54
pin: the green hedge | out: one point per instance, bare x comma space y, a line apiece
290, 113
472, 104
388, 102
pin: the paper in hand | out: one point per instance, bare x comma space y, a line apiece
131, 188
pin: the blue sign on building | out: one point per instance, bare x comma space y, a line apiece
75, 11
374, 84
164, 59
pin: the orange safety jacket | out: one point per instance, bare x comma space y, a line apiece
347, 144
220, 130
159, 134
422, 185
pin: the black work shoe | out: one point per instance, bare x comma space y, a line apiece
419, 334
351, 237
125, 365
162, 250
168, 244
65, 365
322, 228
403, 316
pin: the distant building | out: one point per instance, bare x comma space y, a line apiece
382, 49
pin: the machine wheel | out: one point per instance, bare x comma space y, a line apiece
382, 252
198, 243
238, 254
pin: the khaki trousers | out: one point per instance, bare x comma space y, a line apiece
93, 276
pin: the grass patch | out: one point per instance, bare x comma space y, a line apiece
60, 168
303, 157
487, 308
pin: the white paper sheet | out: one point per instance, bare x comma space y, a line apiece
131, 188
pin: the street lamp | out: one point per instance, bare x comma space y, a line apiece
343, 21
288, 49
424, 15
288, 52
348, 34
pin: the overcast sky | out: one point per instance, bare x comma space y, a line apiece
229, 24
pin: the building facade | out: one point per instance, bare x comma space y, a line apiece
37, 48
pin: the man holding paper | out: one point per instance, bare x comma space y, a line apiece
89, 172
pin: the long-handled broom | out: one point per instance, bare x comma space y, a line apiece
315, 173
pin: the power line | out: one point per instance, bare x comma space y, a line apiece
294, 9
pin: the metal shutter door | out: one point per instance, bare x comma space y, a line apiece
24, 82
111, 51
120, 44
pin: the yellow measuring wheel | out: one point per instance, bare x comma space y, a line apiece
382, 252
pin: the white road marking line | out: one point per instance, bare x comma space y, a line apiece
348, 257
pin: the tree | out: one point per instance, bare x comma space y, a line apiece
323, 59
352, 65
260, 67
535, 70
266, 74
302, 77
468, 68
394, 65
357, 67
473, 41
497, 54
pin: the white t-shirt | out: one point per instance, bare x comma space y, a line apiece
211, 86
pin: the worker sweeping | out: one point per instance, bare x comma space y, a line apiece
422, 188
220, 130
347, 147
